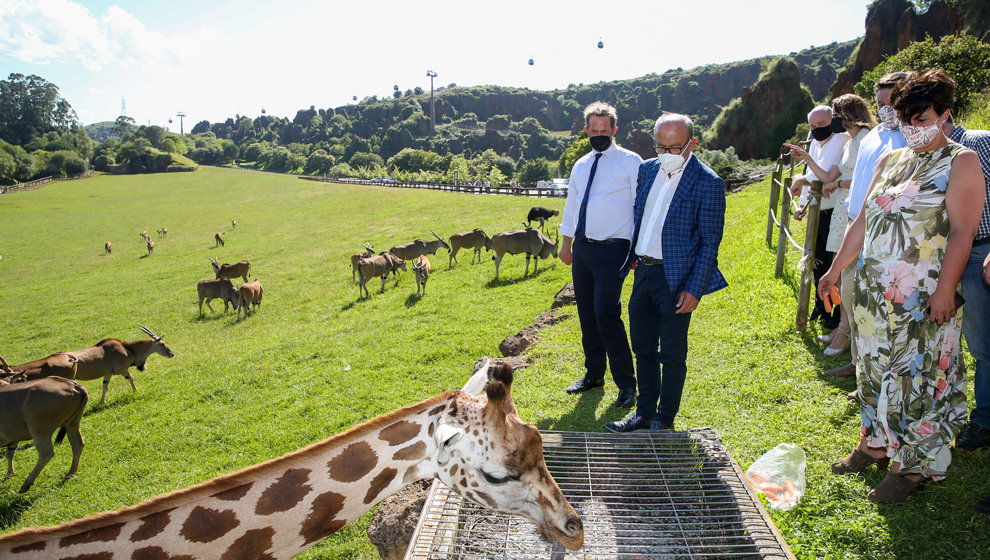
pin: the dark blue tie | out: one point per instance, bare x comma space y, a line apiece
583, 213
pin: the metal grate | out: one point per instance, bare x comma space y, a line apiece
663, 495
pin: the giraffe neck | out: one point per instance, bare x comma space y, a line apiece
269, 511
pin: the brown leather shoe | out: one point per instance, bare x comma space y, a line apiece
857, 461
848, 370
893, 489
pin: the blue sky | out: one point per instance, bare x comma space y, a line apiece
214, 59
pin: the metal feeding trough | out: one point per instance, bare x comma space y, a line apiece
663, 495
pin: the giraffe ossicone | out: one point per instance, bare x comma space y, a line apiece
474, 442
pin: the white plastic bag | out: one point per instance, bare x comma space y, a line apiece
779, 475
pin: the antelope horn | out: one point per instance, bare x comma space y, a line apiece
148, 332
6, 367
368, 246
437, 236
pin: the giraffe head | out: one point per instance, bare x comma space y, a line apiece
488, 455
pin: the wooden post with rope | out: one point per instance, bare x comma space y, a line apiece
807, 267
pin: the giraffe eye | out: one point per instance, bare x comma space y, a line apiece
498, 478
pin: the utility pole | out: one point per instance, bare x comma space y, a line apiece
433, 114
180, 114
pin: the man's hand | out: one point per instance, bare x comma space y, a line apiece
799, 214
686, 303
798, 151
829, 188
565, 254
986, 270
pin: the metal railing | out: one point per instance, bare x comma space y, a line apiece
778, 215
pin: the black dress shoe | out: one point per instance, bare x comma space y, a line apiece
632, 423
584, 384
626, 398
983, 506
974, 437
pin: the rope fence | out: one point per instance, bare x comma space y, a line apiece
778, 215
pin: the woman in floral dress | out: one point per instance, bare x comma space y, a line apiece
912, 240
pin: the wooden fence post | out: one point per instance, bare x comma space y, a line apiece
810, 241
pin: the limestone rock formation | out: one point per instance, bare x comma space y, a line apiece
764, 115
892, 25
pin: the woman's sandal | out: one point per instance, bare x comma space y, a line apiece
893, 489
857, 461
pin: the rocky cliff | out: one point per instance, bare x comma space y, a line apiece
891, 25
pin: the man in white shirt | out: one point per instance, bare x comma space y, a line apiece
879, 142
596, 228
679, 217
822, 159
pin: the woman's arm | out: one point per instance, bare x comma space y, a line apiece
852, 241
964, 198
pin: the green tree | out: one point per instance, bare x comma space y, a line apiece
534, 171
580, 146
458, 170
365, 159
964, 58
30, 106
123, 127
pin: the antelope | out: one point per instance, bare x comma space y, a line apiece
379, 265
247, 297
218, 239
222, 288
151, 246
540, 214
108, 248
231, 270
422, 269
163, 232
529, 241
475, 239
109, 357
233, 224
33, 410
409, 251
369, 251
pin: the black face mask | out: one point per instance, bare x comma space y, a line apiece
600, 143
821, 133
836, 125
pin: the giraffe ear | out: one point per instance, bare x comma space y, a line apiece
445, 435
499, 389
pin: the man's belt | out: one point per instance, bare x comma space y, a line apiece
611, 241
650, 261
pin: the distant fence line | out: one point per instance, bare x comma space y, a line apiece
38, 183
779, 215
542, 192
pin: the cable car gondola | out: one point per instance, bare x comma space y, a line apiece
601, 45
531, 62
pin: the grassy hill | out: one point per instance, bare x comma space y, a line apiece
315, 360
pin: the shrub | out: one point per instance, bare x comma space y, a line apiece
965, 59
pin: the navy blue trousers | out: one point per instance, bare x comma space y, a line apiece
597, 288
652, 320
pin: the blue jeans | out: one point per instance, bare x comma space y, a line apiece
976, 329
652, 320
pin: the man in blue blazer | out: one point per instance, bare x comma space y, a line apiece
678, 215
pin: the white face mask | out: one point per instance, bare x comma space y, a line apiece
672, 163
919, 136
888, 116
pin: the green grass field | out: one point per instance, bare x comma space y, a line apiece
315, 360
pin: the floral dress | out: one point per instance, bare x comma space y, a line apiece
911, 382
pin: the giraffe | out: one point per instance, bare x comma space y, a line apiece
474, 443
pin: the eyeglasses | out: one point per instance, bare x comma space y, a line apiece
676, 150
